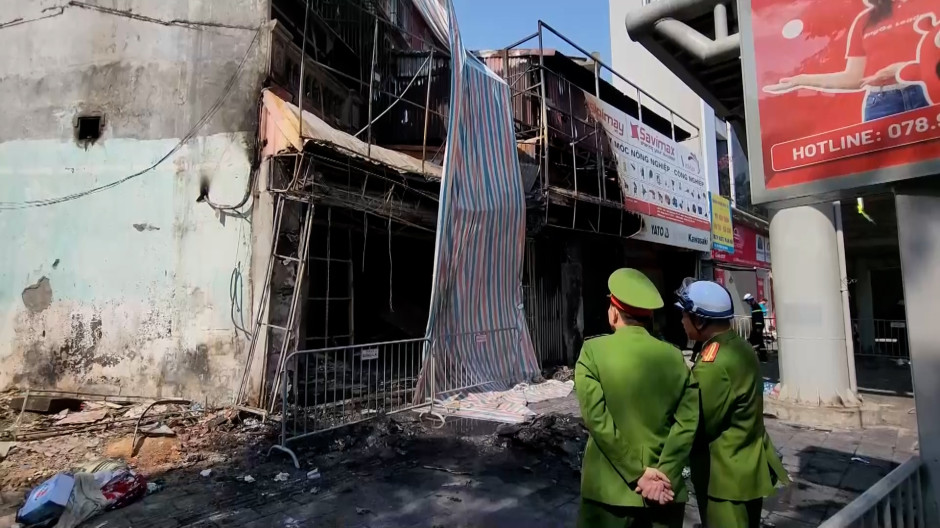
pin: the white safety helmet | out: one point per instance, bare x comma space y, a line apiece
706, 299
748, 296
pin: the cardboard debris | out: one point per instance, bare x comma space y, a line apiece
5, 448
157, 430
86, 417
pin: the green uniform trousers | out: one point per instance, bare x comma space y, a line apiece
599, 515
731, 514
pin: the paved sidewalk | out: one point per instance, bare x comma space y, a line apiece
470, 479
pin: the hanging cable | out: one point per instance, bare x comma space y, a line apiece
391, 307
365, 237
189, 135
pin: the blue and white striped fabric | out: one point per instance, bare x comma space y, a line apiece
476, 323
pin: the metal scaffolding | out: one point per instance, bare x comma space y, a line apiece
578, 185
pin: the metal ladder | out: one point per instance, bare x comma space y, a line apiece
299, 260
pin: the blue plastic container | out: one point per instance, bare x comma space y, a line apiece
47, 501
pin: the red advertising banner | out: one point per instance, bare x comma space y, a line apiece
751, 249
845, 86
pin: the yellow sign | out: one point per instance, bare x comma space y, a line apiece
722, 229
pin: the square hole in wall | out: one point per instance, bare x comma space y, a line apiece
88, 128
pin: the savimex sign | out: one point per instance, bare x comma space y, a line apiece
653, 141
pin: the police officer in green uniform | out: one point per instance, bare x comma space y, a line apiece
734, 464
640, 405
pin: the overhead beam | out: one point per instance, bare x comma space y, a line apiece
665, 18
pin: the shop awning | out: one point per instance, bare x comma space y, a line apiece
280, 130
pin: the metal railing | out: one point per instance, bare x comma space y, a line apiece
896, 501
883, 338
742, 325
328, 388
333, 387
473, 360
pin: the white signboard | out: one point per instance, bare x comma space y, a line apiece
368, 354
661, 180
763, 249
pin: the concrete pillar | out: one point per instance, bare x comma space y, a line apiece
572, 300
919, 242
262, 237
708, 136
864, 302
810, 326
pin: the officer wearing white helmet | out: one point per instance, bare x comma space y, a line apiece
734, 464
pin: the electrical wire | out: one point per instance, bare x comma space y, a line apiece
192, 24
189, 135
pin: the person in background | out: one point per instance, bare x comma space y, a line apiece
640, 405
734, 464
768, 320
757, 327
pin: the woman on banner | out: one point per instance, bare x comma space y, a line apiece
882, 40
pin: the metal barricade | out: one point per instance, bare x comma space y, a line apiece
896, 501
883, 338
333, 387
474, 360
742, 325
328, 388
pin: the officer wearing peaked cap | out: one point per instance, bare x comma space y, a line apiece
734, 464
640, 405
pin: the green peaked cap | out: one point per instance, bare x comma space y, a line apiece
633, 288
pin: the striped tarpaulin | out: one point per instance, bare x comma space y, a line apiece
476, 324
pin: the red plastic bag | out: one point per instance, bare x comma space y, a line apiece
124, 488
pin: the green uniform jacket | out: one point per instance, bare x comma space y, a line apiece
640, 404
733, 455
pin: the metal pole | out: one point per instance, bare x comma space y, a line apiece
300, 83
729, 133
639, 105
844, 288
398, 98
544, 114
574, 157
427, 108
599, 160
522, 41
375, 50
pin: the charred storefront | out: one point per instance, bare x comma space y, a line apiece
579, 227
352, 131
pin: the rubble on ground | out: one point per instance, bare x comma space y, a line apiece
557, 434
227, 447
562, 373
150, 436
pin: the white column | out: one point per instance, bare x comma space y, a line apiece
262, 236
919, 241
810, 326
708, 137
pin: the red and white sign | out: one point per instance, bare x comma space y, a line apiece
660, 179
844, 86
751, 249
